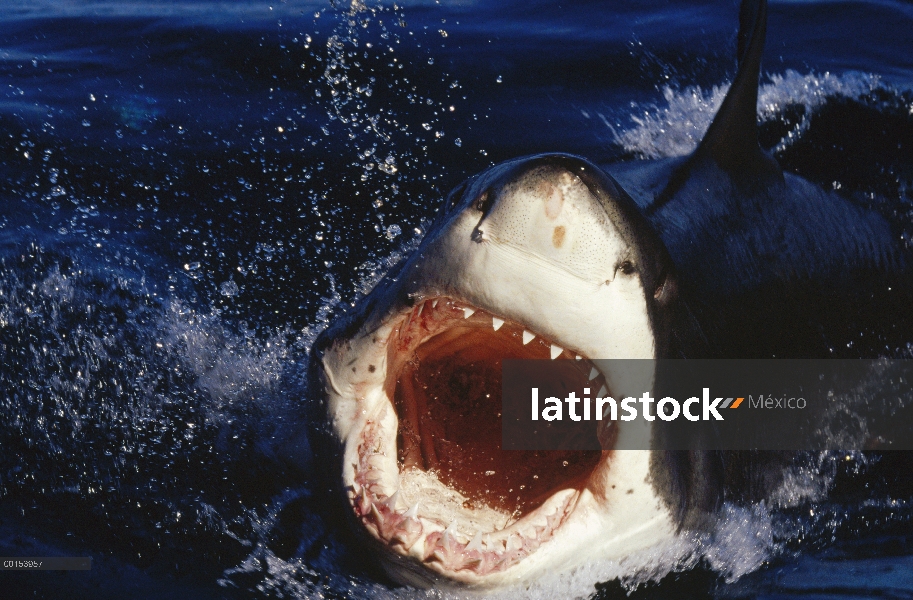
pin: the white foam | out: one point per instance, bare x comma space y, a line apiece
230, 367
741, 541
675, 127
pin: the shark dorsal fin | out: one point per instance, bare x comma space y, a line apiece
731, 140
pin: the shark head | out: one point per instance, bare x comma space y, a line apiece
541, 257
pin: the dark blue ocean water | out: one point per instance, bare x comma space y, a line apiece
190, 190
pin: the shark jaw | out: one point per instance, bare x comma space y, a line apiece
412, 382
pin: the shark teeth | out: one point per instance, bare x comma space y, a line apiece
363, 502
447, 550
475, 543
391, 501
514, 543
479, 540
602, 392
451, 529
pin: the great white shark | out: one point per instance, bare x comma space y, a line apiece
552, 256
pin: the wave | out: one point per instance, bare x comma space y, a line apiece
675, 127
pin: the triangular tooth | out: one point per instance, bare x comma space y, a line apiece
578, 357
475, 543
497, 323
514, 542
391, 501
449, 535
412, 513
602, 392
363, 503
434, 303
378, 517
528, 337
593, 373
468, 312
556, 351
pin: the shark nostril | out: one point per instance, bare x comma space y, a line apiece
554, 201
558, 236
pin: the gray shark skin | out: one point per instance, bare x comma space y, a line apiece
749, 238
551, 257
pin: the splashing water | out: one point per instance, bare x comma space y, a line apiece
171, 420
676, 128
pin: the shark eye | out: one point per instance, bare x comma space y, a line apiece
481, 203
627, 267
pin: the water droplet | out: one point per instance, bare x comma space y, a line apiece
229, 288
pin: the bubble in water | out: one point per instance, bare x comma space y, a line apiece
393, 232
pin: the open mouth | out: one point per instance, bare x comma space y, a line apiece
451, 497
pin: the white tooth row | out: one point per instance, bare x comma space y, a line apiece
497, 323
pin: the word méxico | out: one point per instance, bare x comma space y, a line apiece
667, 409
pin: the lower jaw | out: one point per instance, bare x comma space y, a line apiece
616, 523
416, 531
